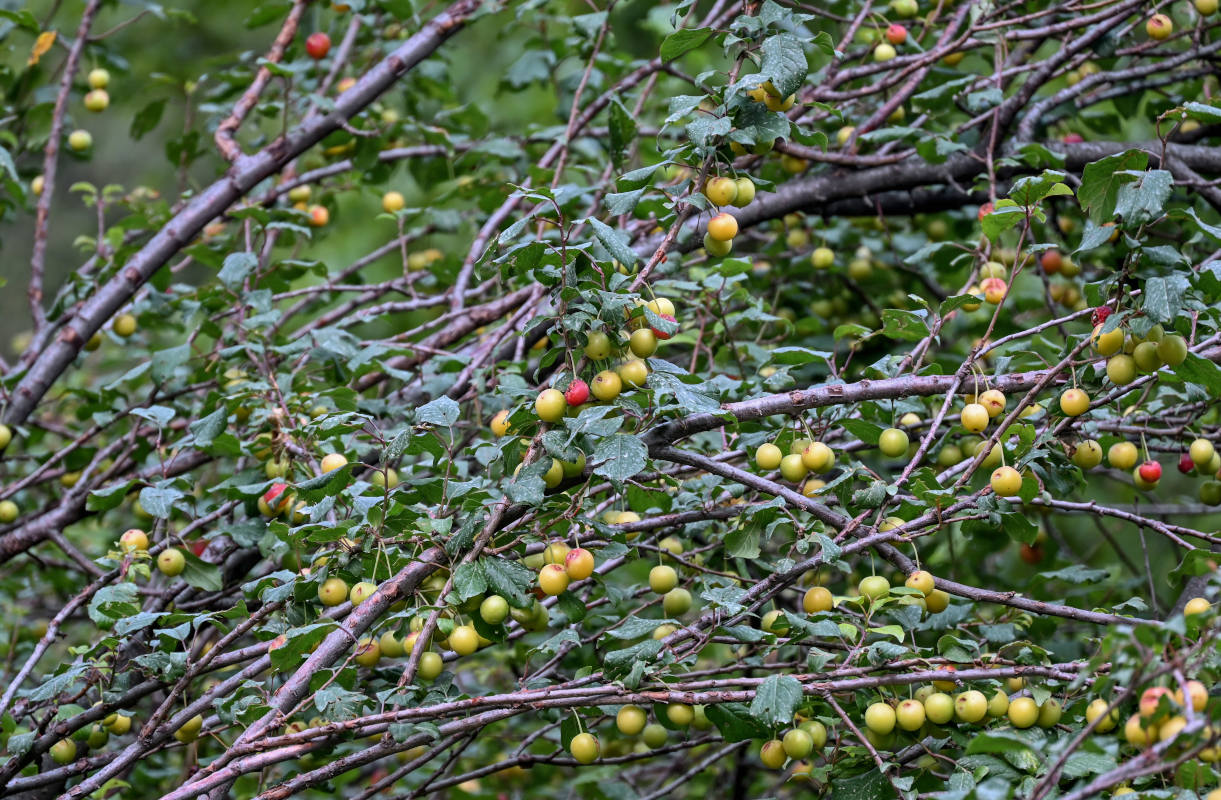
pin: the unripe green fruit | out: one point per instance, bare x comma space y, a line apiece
655, 735
676, 602
597, 346
390, 645
643, 342
80, 141
98, 737
792, 468
1201, 452
717, 248
6, 436
606, 385
817, 732
680, 714
998, 704
8, 511
190, 729
797, 743
893, 442
1049, 713
880, 718
631, 720
464, 640
1146, 358
746, 192
875, 587
585, 748
431, 665
822, 258
361, 592
662, 578
63, 751
1121, 369
494, 609
1172, 349
171, 562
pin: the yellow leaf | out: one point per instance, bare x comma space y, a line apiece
41, 45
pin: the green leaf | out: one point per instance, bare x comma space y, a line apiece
1201, 372
1101, 181
614, 243
622, 131
469, 581
907, 326
167, 360
776, 699
683, 41
620, 457
1031, 190
783, 63
441, 412
508, 579
1144, 199
236, 267
147, 118
1163, 297
736, 723
207, 429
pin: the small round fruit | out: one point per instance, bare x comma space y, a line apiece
500, 423
994, 290
1074, 402
631, 720
723, 227
494, 609
464, 640
1098, 708
98, 78
8, 511
1201, 452
875, 587
792, 468
721, 191
974, 417
939, 708
368, 652
119, 725
431, 665
124, 325
716, 247
63, 751
818, 457
1122, 455
1172, 349
643, 342
893, 442
80, 140
768, 456
1109, 343
1023, 712
607, 385
361, 592
317, 45
746, 192
579, 564
1151, 698
993, 402
1197, 693
1006, 481
937, 601
817, 599
1087, 454
680, 714
171, 562
822, 258
910, 715
1049, 713
333, 461
633, 372
585, 748
797, 743
97, 100
1121, 369
998, 704
1159, 27
577, 392
772, 754
392, 202
550, 405
662, 578
676, 602
1138, 732
333, 592
654, 735
1196, 605
6, 436
880, 718
390, 645
597, 346
884, 52
922, 581
970, 706
190, 729
132, 540
387, 479
553, 579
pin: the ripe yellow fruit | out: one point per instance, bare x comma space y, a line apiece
1196, 605
1097, 708
937, 601
98, 78
792, 468
797, 743
1196, 692
553, 579
721, 191
1049, 713
970, 706
993, 402
998, 705
1159, 27
922, 581
171, 562
190, 729
1107, 344
818, 457
97, 100
1201, 452
910, 715
974, 417
633, 372
80, 141
1121, 369
1023, 712
392, 202
1122, 455
464, 640
500, 423
822, 258
1138, 733
662, 578
680, 714
585, 748
606, 385
333, 591
133, 540
723, 227
333, 461
772, 754
1006, 481
1074, 402
938, 708
368, 652
631, 720
817, 599
768, 456
124, 325
579, 564
880, 718
550, 405
1087, 454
